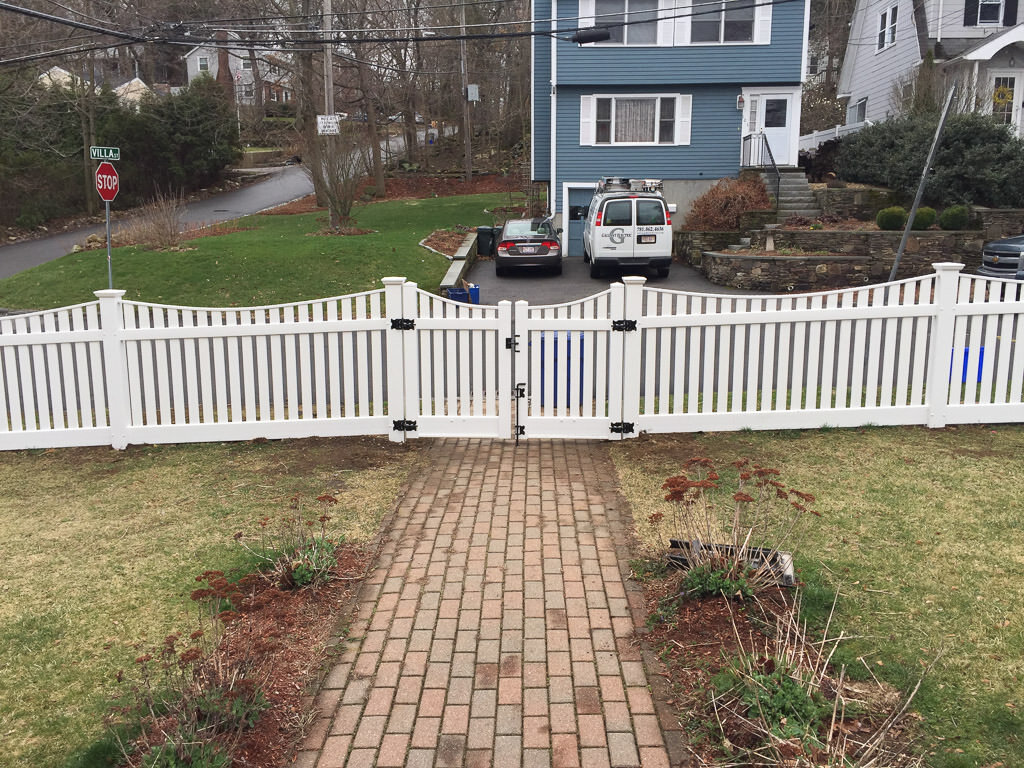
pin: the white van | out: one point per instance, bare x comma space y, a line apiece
628, 224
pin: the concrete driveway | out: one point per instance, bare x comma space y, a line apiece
542, 287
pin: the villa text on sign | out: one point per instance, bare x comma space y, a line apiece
104, 153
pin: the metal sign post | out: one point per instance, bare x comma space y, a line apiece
107, 186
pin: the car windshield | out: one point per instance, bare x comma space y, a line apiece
528, 228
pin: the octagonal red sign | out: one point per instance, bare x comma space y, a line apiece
107, 181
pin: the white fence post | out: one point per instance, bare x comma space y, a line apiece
616, 351
115, 368
505, 389
521, 361
415, 400
633, 306
940, 354
395, 341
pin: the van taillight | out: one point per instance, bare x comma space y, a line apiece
668, 217
597, 221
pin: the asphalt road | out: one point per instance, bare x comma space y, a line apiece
575, 282
280, 186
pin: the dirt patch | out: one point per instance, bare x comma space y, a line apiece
310, 454
447, 241
701, 638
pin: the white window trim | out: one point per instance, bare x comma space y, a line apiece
999, 19
247, 64
588, 119
889, 25
674, 25
200, 62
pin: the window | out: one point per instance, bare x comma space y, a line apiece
649, 212
775, 113
813, 65
857, 113
990, 11
617, 11
204, 64
887, 28
731, 22
247, 64
618, 213
248, 91
286, 95
635, 120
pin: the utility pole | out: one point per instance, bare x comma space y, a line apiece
467, 140
328, 60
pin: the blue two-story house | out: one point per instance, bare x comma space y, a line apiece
683, 90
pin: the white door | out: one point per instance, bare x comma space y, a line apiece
774, 116
1006, 87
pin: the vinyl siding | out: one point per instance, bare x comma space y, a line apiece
778, 62
541, 133
871, 73
713, 152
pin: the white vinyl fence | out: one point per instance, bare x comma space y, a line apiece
934, 350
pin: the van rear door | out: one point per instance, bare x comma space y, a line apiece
653, 237
615, 235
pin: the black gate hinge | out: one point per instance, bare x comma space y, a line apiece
623, 325
622, 427
403, 324
512, 342
403, 425
519, 390
520, 430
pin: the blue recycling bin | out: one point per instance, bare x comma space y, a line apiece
458, 294
474, 293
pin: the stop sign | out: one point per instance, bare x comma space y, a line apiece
107, 182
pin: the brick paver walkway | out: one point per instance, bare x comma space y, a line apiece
496, 628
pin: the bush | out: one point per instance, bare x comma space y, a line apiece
892, 218
719, 209
924, 217
978, 161
955, 217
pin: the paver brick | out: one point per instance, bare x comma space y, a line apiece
425, 732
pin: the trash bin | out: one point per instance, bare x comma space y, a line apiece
485, 237
474, 293
458, 294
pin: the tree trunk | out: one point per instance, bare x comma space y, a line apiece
371, 134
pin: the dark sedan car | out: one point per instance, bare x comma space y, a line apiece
1001, 258
528, 243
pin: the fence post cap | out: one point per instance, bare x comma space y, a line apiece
109, 293
634, 280
947, 266
392, 280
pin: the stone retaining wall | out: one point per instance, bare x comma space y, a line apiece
689, 246
850, 258
1000, 222
847, 203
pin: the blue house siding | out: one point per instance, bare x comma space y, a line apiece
778, 62
713, 152
541, 95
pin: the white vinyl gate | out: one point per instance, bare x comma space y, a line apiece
935, 350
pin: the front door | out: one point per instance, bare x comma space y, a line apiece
1006, 87
773, 115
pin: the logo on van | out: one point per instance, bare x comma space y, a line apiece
618, 235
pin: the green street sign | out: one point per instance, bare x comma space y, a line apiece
104, 153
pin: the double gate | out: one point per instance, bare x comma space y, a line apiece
935, 350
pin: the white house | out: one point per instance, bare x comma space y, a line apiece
977, 44
272, 72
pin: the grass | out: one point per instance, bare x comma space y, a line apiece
273, 259
102, 548
922, 536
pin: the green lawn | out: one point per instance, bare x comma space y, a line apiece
922, 534
101, 550
276, 259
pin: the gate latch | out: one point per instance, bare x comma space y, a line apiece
512, 342
623, 325
622, 427
403, 324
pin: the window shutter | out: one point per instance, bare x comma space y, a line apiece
971, 13
681, 11
763, 23
586, 13
666, 25
1009, 13
588, 120
684, 105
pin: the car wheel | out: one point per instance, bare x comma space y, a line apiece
558, 269
662, 272
586, 256
595, 270
500, 271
